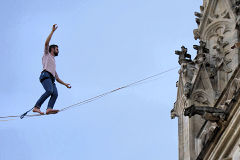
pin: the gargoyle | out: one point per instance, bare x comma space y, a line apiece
199, 15
208, 113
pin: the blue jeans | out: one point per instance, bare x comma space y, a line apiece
48, 84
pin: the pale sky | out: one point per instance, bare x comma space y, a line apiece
103, 45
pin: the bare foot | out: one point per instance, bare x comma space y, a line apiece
35, 109
52, 111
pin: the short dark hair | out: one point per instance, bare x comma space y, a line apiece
52, 46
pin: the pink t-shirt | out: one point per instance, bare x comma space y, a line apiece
48, 62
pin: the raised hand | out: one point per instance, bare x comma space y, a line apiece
54, 28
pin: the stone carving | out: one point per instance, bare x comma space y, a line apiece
199, 15
184, 57
201, 49
177, 84
236, 10
196, 34
202, 8
198, 21
221, 59
186, 72
212, 71
174, 112
235, 85
179, 106
215, 17
236, 7
203, 78
199, 99
201, 52
208, 113
187, 89
223, 14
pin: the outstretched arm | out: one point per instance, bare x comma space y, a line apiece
61, 82
50, 35
65, 84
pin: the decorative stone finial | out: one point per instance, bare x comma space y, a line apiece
184, 57
201, 52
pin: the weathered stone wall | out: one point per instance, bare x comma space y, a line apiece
208, 82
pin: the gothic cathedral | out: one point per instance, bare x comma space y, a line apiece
208, 96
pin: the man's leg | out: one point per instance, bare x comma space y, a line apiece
48, 86
52, 101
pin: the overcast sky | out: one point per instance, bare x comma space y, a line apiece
103, 45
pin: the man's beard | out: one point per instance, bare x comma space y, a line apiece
55, 53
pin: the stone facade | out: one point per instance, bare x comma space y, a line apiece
208, 96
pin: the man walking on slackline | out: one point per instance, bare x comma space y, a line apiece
48, 76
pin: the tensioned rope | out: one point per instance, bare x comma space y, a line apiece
90, 99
